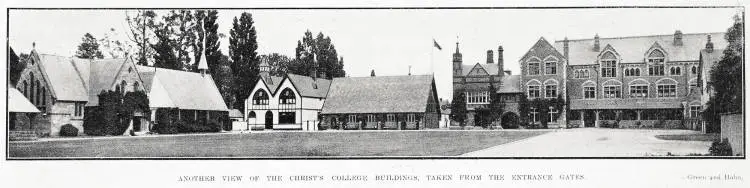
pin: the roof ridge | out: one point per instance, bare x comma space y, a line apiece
636, 36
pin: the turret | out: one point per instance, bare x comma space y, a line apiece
709, 45
500, 60
202, 63
597, 46
457, 62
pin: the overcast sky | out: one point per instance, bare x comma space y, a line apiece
389, 41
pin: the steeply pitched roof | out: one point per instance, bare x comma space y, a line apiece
634, 49
66, 82
491, 68
147, 77
185, 90
380, 94
510, 84
18, 103
304, 85
272, 82
103, 73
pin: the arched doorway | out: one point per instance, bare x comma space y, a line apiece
509, 120
269, 120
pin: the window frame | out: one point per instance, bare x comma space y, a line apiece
538, 66
550, 66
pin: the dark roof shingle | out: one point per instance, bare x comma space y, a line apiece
380, 94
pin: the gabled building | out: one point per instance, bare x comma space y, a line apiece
63, 88
638, 81
382, 102
286, 102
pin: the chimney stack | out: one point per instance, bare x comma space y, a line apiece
678, 38
490, 57
597, 47
500, 60
709, 45
566, 47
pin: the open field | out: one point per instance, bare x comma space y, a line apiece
275, 144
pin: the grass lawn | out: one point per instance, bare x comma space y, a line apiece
690, 137
276, 144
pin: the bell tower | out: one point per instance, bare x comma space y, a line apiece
457, 61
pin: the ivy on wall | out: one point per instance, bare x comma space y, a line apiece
115, 112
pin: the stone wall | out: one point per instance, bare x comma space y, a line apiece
732, 128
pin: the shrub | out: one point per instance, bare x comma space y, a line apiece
720, 148
322, 126
68, 130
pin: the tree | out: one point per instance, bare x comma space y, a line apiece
224, 80
324, 52
181, 28
523, 110
211, 34
279, 63
496, 105
164, 56
726, 76
89, 48
242, 50
16, 66
142, 27
114, 47
458, 107
372, 72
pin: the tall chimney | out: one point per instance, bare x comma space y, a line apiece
490, 57
678, 38
500, 62
597, 47
709, 45
566, 47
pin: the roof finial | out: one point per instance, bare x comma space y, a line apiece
33, 45
202, 64
409, 70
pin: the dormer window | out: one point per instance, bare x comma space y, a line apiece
287, 97
656, 63
609, 65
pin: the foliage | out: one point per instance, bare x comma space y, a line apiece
523, 110
720, 148
114, 47
142, 27
224, 80
242, 50
89, 48
114, 113
725, 77
543, 107
164, 56
278, 63
372, 73
16, 66
182, 28
207, 29
324, 52
458, 107
68, 130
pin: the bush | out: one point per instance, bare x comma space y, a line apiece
720, 148
68, 130
196, 127
322, 126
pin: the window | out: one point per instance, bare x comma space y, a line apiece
632, 72
371, 118
581, 73
260, 98
534, 114
694, 70
693, 82
135, 86
534, 67
534, 91
287, 97
411, 118
352, 119
553, 114
78, 111
639, 91
481, 97
611, 91
656, 63
550, 91
695, 111
38, 99
124, 86
550, 67
609, 65
391, 118
589, 92
668, 90
32, 90
674, 71
251, 115
25, 89
287, 118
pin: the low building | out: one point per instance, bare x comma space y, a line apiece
382, 102
286, 102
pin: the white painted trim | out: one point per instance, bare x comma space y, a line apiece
631, 82
660, 80
604, 83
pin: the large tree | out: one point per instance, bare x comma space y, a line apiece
278, 63
164, 56
458, 107
324, 52
16, 65
209, 32
182, 28
142, 25
89, 48
224, 80
242, 50
726, 76
112, 46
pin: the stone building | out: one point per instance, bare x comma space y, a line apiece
474, 81
636, 81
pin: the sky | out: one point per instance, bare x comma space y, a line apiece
390, 41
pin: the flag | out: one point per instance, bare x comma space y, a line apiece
436, 44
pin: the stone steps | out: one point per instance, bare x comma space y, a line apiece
22, 136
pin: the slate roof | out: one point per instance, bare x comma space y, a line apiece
304, 85
18, 103
147, 76
66, 82
235, 113
272, 82
380, 94
183, 90
491, 68
633, 49
103, 73
510, 84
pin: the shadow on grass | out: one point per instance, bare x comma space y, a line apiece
690, 137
